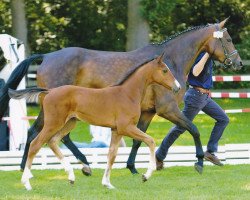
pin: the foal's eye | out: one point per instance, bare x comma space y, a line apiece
229, 40
165, 71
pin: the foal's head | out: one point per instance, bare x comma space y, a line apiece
163, 76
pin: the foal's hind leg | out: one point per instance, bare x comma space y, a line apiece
78, 154
114, 144
35, 146
53, 144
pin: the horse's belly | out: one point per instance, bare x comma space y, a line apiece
99, 120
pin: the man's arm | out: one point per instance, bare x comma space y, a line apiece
197, 69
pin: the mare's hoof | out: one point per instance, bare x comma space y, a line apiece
71, 182
198, 168
21, 170
86, 170
132, 169
144, 178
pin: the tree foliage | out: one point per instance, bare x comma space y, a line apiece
5, 17
55, 24
102, 24
166, 17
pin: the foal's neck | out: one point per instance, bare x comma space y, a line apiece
137, 84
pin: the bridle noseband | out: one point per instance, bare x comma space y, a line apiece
219, 35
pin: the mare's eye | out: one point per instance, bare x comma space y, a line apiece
229, 40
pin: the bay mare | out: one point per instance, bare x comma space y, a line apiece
98, 69
117, 107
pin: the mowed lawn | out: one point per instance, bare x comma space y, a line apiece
216, 183
227, 182
238, 130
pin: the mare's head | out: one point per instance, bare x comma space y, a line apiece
221, 47
163, 76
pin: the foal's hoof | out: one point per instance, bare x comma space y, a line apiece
132, 169
144, 178
86, 170
71, 182
109, 186
198, 168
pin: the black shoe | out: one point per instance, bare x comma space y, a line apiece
159, 164
212, 158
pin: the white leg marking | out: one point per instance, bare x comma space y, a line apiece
25, 178
106, 179
68, 168
151, 167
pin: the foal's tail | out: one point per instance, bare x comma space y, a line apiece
14, 80
30, 94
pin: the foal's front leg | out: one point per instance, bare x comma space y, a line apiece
135, 133
114, 144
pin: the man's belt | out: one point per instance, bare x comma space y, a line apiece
201, 90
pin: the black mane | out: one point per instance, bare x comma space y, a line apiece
180, 33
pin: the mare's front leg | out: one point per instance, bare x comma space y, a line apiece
143, 124
114, 144
174, 114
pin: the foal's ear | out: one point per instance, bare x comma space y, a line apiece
160, 58
222, 24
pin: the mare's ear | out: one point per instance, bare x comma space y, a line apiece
222, 24
160, 58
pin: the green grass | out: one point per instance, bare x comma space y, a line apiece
228, 182
236, 132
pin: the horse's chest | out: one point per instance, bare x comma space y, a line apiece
148, 102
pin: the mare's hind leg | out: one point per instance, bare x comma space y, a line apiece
114, 144
134, 132
32, 133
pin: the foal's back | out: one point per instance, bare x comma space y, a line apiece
95, 106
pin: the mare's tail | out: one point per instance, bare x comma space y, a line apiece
14, 80
29, 94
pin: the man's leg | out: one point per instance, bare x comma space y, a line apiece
194, 102
215, 111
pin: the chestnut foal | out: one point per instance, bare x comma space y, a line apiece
118, 107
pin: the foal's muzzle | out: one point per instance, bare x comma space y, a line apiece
176, 87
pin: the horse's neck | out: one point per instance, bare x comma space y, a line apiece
183, 50
136, 85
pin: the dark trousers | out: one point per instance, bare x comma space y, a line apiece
195, 102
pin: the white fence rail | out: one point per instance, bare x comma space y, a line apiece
97, 157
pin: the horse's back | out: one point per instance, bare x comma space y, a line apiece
85, 67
